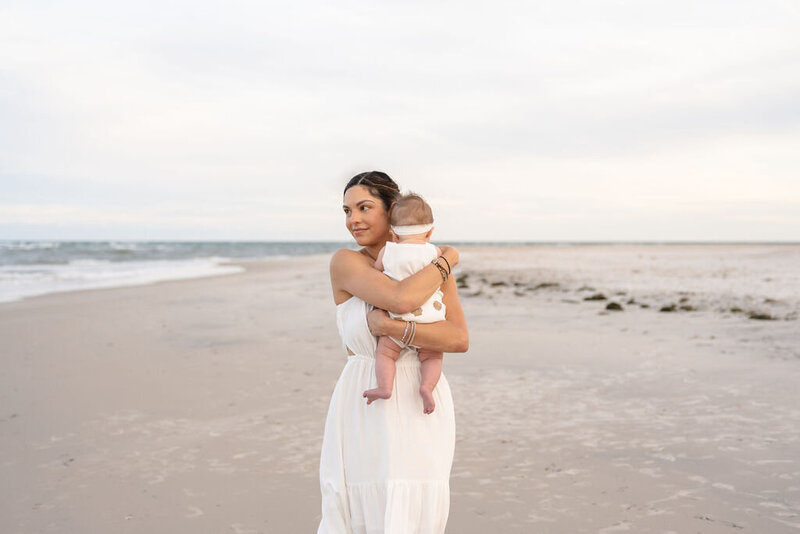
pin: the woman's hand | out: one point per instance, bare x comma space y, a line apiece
451, 253
376, 321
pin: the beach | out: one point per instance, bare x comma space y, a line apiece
198, 405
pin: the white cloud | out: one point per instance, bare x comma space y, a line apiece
131, 119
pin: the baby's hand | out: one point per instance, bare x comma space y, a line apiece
376, 320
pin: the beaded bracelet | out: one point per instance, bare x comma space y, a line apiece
442, 270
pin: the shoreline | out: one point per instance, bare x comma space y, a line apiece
476, 248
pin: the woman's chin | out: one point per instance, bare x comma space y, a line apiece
365, 239
361, 239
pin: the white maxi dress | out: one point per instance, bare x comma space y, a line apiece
384, 468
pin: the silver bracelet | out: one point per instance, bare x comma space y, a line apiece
413, 333
405, 333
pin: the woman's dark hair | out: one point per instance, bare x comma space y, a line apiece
378, 184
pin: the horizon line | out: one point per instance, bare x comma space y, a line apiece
455, 241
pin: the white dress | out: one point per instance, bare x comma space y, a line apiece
384, 468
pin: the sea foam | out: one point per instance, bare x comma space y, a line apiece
20, 281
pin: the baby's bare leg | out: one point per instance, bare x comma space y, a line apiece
387, 353
431, 363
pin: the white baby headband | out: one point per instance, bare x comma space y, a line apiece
412, 229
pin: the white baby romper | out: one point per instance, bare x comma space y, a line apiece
401, 261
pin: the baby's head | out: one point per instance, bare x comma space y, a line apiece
411, 218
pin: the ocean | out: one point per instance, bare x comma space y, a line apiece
29, 268
742, 270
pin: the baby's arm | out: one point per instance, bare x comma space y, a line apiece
379, 260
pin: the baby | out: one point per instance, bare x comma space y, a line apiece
412, 224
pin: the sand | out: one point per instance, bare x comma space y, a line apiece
198, 405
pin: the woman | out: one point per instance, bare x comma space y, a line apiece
385, 468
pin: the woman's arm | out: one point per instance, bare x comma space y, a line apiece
352, 273
450, 335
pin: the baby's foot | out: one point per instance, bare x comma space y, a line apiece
377, 393
428, 403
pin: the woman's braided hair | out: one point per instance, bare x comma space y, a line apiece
378, 184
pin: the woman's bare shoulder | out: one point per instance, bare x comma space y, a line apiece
345, 253
345, 261
345, 257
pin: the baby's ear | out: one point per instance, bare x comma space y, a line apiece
394, 236
428, 235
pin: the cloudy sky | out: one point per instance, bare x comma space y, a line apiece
524, 120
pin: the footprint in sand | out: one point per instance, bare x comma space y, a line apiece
194, 511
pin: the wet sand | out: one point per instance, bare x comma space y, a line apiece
198, 405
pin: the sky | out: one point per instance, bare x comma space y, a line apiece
517, 120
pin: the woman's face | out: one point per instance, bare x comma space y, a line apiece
365, 216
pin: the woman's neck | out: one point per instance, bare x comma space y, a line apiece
373, 250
